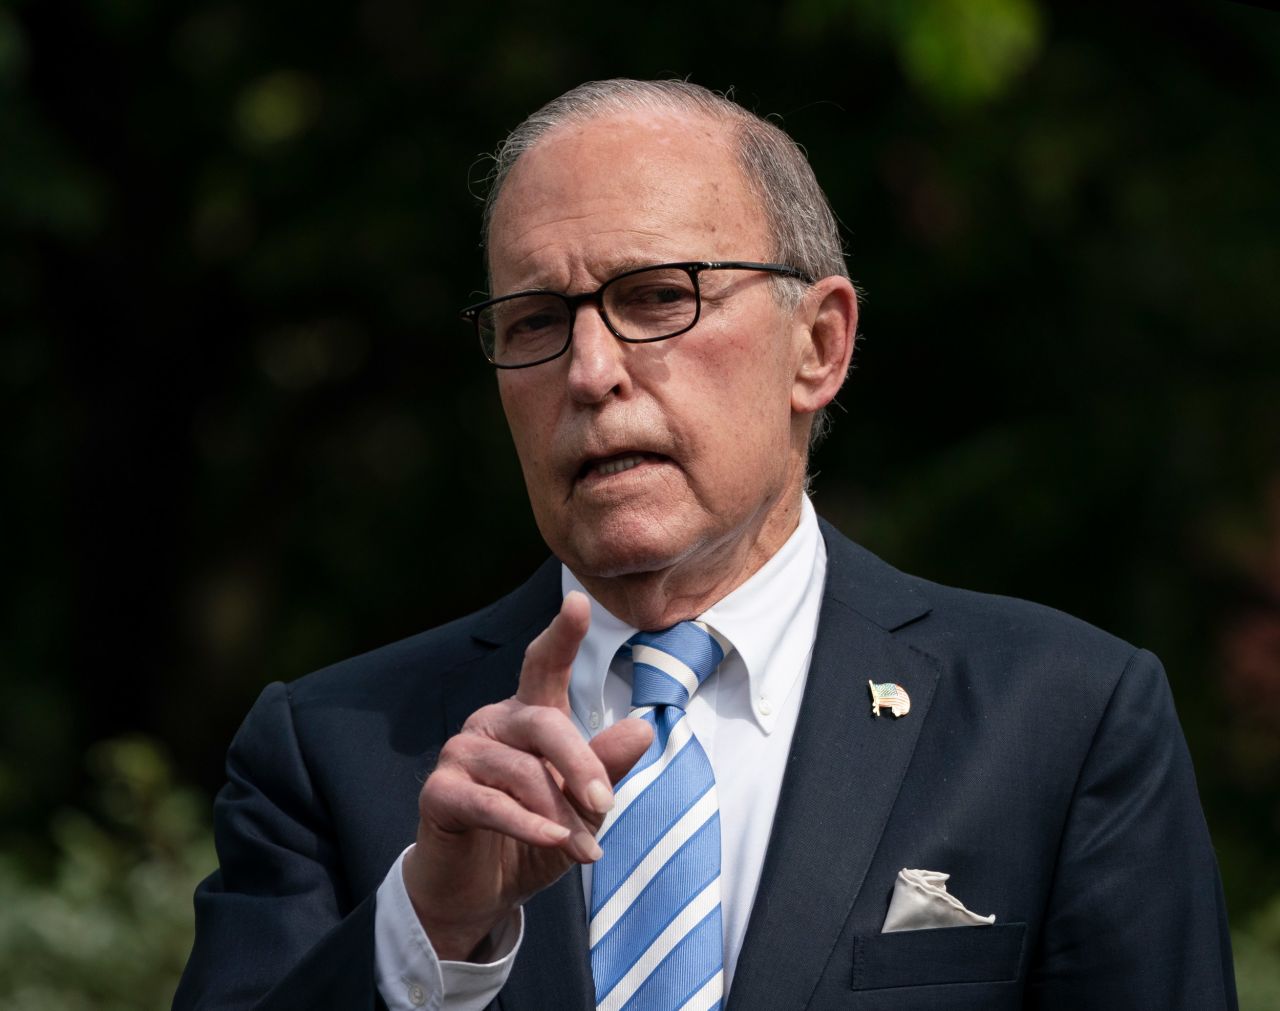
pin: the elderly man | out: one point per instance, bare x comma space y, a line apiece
842, 786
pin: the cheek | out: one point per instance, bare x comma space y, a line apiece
525, 403
525, 423
749, 384
752, 350
742, 435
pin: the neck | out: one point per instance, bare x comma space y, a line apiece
684, 590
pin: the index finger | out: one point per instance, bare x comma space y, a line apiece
548, 662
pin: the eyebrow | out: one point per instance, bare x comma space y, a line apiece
616, 267
636, 262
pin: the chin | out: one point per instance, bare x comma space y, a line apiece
620, 549
608, 560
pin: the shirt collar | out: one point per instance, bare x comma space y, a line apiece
759, 618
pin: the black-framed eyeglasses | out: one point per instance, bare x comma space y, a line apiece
639, 306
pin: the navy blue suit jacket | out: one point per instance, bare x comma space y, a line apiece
1041, 765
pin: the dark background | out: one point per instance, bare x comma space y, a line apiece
246, 435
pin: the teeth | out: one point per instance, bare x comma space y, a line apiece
619, 465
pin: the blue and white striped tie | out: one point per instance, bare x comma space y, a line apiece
656, 935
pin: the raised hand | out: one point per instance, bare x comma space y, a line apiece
516, 797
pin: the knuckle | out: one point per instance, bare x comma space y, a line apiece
585, 764
482, 719
437, 794
456, 751
528, 767
439, 782
488, 806
544, 719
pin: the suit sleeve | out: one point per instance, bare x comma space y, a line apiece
1136, 918
275, 925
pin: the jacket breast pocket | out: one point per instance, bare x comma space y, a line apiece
944, 955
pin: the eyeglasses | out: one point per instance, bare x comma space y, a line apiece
639, 306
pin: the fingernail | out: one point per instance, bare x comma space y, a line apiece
599, 796
556, 833
588, 847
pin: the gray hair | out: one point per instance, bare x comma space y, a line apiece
801, 224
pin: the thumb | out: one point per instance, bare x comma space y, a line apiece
620, 747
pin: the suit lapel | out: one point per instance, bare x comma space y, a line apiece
552, 969
843, 776
506, 627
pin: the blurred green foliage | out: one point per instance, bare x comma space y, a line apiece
246, 436
1257, 953
958, 53
108, 924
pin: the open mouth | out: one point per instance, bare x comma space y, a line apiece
607, 466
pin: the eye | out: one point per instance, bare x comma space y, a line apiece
653, 288
653, 301
532, 325
528, 320
658, 294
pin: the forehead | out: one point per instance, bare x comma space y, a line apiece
591, 199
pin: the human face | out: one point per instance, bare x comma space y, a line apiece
678, 463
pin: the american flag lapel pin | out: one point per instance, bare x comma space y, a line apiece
889, 696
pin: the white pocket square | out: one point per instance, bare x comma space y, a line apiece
921, 902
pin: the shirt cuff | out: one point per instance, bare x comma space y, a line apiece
409, 974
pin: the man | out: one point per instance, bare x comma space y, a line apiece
671, 316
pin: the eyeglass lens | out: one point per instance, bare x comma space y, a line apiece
647, 305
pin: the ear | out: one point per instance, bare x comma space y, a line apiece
825, 326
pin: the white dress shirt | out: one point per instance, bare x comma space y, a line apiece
744, 717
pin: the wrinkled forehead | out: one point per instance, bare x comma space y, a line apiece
661, 182
581, 148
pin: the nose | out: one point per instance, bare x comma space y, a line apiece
596, 358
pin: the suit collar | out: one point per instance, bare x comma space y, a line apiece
866, 584
507, 627
525, 611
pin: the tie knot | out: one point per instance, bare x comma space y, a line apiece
670, 664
